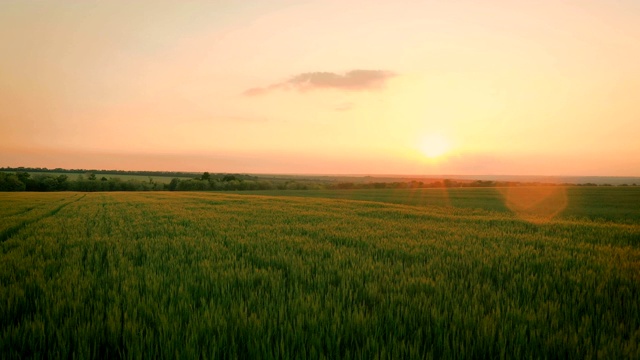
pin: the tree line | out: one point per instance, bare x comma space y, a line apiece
89, 181
178, 174
24, 181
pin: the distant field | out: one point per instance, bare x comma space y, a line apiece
219, 275
619, 204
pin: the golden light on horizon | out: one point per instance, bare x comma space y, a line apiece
465, 87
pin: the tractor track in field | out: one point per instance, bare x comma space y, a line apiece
26, 210
5, 235
23, 211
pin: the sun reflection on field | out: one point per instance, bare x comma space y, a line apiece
535, 203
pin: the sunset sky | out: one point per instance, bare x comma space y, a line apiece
541, 87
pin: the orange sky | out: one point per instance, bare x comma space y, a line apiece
359, 87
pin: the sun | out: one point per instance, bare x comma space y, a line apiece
434, 146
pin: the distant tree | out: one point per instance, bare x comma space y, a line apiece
63, 183
191, 185
115, 184
91, 176
23, 176
48, 183
231, 185
206, 176
11, 182
173, 185
450, 183
345, 185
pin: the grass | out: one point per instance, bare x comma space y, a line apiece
211, 275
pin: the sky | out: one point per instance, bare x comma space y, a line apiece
498, 87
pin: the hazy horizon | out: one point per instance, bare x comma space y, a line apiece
418, 88
201, 163
525, 178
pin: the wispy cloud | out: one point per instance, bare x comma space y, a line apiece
354, 80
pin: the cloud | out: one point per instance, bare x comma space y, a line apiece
256, 91
354, 80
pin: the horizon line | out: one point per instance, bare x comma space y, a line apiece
396, 175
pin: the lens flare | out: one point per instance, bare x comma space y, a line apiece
535, 204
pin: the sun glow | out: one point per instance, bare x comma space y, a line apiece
434, 146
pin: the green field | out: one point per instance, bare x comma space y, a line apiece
614, 204
466, 273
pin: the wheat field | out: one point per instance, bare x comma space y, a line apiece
213, 275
